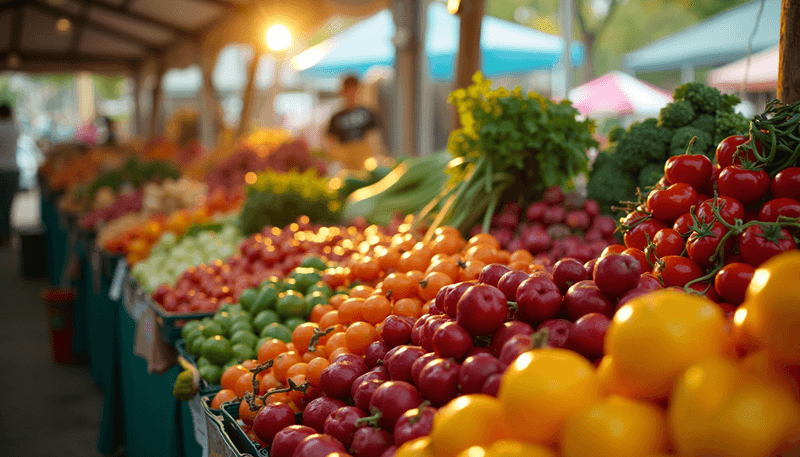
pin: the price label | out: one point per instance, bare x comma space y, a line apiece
115, 291
199, 423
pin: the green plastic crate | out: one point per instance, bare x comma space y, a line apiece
230, 413
205, 388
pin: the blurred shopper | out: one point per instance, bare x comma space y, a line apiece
9, 172
353, 135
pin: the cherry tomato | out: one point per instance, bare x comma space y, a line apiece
732, 280
682, 224
787, 207
729, 208
727, 147
341, 424
668, 204
668, 242
271, 419
692, 169
413, 424
786, 184
711, 185
747, 186
393, 399
638, 236
675, 270
760, 242
702, 244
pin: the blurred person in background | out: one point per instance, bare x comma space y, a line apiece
353, 135
9, 172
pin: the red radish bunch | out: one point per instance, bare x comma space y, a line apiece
708, 227
558, 226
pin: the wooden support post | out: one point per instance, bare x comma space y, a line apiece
789, 57
410, 49
136, 115
468, 59
207, 101
247, 97
157, 96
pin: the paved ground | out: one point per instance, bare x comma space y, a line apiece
45, 409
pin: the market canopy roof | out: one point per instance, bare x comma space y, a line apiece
114, 35
762, 76
507, 48
618, 94
717, 41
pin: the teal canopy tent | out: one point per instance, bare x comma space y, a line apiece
506, 48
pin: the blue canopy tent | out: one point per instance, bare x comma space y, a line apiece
719, 40
507, 48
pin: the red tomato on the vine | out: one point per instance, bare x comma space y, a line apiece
787, 207
786, 184
732, 281
702, 244
638, 236
668, 204
747, 186
729, 208
683, 224
727, 147
668, 242
761, 242
692, 169
675, 270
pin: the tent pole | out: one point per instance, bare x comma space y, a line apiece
136, 116
207, 101
247, 97
410, 47
789, 53
155, 115
468, 59
566, 35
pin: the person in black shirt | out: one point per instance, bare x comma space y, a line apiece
352, 133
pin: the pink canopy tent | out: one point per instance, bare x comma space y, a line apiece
762, 75
618, 94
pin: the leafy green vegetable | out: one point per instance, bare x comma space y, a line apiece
644, 142
650, 175
676, 114
610, 185
513, 147
680, 141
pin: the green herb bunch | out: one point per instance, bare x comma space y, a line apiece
511, 147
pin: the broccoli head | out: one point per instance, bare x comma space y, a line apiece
704, 99
730, 123
676, 114
609, 185
650, 175
705, 122
644, 142
615, 133
682, 137
604, 157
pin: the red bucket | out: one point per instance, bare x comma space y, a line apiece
60, 305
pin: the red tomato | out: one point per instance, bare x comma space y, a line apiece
668, 242
675, 270
732, 281
638, 236
683, 223
692, 169
786, 184
729, 208
702, 243
727, 147
707, 290
668, 204
761, 242
711, 185
787, 207
747, 186
644, 265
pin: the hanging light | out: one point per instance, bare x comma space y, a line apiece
63, 25
278, 37
453, 6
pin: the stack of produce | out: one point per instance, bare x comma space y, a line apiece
713, 244
67, 166
277, 199
636, 156
236, 332
558, 226
136, 242
173, 254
